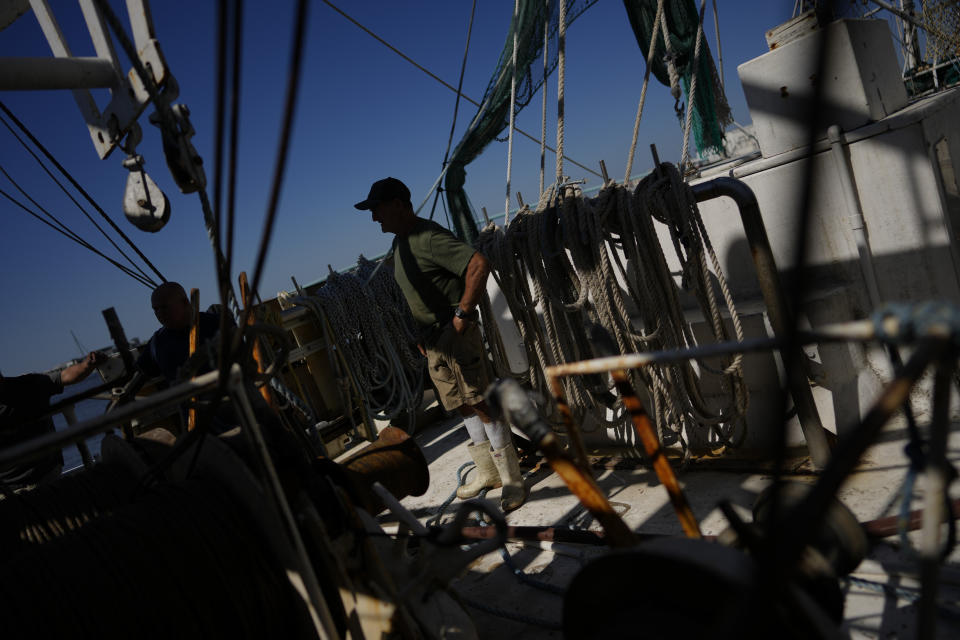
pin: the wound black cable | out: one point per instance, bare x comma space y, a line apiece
218, 114
80, 189
186, 560
293, 84
221, 63
232, 155
74, 201
77, 239
234, 129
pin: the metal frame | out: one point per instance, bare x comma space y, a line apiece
777, 309
128, 96
796, 526
234, 387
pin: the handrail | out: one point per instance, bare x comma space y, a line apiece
777, 309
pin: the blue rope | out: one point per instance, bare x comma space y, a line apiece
917, 320
507, 560
903, 522
435, 520
526, 579
905, 593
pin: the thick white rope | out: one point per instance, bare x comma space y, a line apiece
670, 58
555, 267
371, 328
561, 81
691, 96
643, 92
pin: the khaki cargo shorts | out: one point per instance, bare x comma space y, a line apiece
457, 365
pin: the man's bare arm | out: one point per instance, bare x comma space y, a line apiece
475, 283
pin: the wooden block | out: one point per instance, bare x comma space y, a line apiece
792, 29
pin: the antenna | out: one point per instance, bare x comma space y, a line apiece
76, 341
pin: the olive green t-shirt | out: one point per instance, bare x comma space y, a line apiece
429, 265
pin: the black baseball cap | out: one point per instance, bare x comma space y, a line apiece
383, 190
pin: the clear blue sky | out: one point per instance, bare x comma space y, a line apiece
363, 113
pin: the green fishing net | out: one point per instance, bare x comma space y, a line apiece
711, 113
493, 116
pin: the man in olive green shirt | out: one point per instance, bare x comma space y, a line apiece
443, 280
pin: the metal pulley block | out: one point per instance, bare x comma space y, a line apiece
185, 164
144, 204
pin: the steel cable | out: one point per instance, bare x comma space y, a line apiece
74, 201
80, 189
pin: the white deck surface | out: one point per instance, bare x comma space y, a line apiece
871, 493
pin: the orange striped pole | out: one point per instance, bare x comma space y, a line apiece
257, 351
194, 342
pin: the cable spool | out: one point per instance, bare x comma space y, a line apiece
184, 560
52, 511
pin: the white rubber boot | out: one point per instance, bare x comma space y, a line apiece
485, 476
514, 491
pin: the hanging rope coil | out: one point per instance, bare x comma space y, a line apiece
373, 330
574, 261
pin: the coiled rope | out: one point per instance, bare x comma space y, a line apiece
371, 326
563, 262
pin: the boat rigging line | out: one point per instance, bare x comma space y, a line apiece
63, 229
168, 124
224, 17
189, 176
692, 93
443, 82
561, 86
76, 185
643, 96
293, 85
139, 270
456, 104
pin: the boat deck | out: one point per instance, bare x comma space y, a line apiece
634, 491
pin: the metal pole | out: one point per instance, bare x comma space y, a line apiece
19, 74
322, 619
777, 309
40, 446
801, 522
935, 501
70, 414
507, 396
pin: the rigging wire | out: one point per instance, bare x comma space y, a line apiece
561, 83
74, 237
513, 109
293, 85
170, 128
651, 50
543, 109
81, 190
223, 15
456, 104
716, 30
74, 201
234, 132
444, 83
